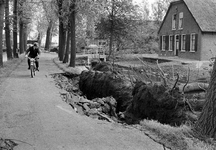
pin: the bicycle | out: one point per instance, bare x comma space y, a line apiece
32, 66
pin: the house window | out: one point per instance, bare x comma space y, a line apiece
192, 42
181, 20
183, 42
163, 43
174, 17
170, 43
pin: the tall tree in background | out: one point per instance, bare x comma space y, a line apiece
21, 27
26, 9
159, 8
15, 28
116, 21
76, 8
73, 33
7, 31
61, 29
51, 19
2, 6
41, 24
144, 9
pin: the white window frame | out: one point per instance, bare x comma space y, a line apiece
183, 50
171, 46
174, 23
191, 39
163, 43
181, 17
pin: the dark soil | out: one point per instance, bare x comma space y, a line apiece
96, 84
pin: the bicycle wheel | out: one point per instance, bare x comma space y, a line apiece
32, 71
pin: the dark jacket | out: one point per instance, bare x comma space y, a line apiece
33, 52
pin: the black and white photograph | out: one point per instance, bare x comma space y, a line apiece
107, 75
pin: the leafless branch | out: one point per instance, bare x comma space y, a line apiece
188, 75
175, 82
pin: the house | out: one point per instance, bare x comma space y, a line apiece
189, 30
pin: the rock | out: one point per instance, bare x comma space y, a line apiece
106, 109
94, 105
85, 106
75, 99
111, 101
99, 100
93, 111
121, 115
84, 100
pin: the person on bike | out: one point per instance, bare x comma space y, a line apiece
33, 52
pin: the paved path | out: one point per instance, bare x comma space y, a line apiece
32, 112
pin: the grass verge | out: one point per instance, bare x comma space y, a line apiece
175, 138
9, 66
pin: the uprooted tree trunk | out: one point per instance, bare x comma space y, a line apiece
164, 101
103, 84
156, 102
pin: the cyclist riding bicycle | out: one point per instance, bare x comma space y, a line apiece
33, 52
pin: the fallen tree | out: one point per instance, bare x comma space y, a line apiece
164, 101
160, 103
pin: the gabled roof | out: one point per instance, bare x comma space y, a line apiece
203, 11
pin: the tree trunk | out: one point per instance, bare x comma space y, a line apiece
25, 38
206, 124
63, 45
111, 32
1, 31
110, 43
48, 35
7, 31
21, 37
66, 57
61, 29
60, 37
73, 34
15, 16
